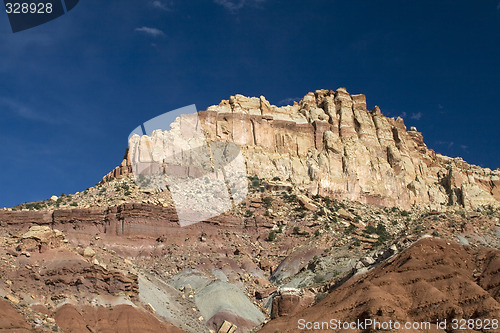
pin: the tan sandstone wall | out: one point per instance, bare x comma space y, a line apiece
330, 144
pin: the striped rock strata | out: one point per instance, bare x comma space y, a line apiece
330, 144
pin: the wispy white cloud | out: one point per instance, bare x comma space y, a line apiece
161, 5
288, 101
416, 116
498, 6
446, 143
26, 112
154, 32
235, 5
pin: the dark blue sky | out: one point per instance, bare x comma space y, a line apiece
71, 90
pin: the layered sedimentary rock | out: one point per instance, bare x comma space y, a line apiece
432, 280
330, 144
129, 219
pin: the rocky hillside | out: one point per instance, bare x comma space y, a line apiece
330, 144
430, 282
339, 199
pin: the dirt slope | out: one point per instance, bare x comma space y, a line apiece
11, 321
432, 280
118, 319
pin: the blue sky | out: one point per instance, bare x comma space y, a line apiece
71, 90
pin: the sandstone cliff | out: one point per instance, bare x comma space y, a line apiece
330, 144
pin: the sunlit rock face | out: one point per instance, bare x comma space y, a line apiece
330, 144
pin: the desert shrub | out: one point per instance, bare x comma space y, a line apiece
271, 236
382, 232
296, 230
267, 201
290, 197
317, 233
255, 181
350, 229
370, 229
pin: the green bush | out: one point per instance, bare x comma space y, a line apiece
371, 229
267, 201
290, 197
271, 236
296, 230
350, 229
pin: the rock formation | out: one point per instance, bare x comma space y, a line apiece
432, 280
330, 144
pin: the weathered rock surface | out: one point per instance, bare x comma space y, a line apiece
432, 280
11, 320
330, 144
290, 301
121, 318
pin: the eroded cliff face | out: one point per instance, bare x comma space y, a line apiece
330, 144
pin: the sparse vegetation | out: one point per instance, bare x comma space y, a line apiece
350, 229
255, 181
268, 201
291, 198
272, 236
